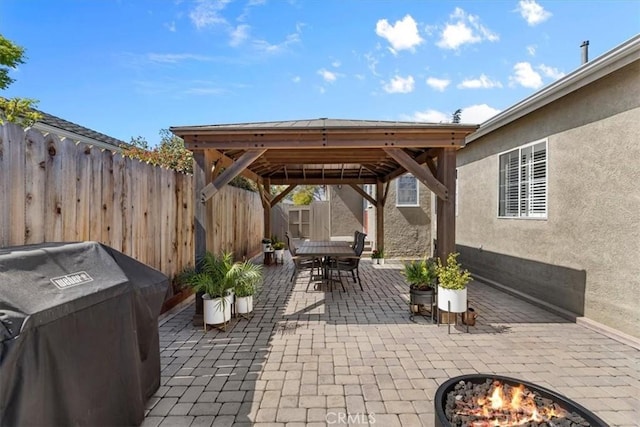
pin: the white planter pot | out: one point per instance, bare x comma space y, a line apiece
280, 255
266, 247
381, 261
457, 298
244, 305
215, 311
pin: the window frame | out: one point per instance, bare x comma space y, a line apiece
519, 149
408, 205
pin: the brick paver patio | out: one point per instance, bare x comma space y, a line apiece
309, 357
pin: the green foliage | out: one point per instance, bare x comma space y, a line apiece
170, 152
248, 278
278, 246
19, 111
305, 194
451, 275
11, 55
455, 117
217, 275
214, 275
377, 253
421, 273
14, 110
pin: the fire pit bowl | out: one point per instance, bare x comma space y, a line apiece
480, 400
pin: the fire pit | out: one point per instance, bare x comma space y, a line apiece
491, 400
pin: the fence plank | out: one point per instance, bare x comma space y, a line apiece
84, 171
53, 189
95, 208
35, 176
16, 181
68, 177
117, 213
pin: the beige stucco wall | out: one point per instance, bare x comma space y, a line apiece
346, 210
407, 230
593, 221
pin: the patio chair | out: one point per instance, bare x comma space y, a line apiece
350, 264
302, 263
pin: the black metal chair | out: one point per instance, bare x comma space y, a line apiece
302, 263
349, 264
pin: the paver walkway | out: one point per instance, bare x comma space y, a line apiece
315, 358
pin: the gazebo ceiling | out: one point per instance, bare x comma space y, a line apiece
324, 151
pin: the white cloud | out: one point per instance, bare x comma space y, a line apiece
327, 75
336, 64
430, 116
550, 72
265, 46
464, 28
403, 35
207, 13
239, 35
171, 26
296, 79
482, 82
532, 12
477, 113
372, 63
526, 76
531, 50
174, 58
438, 84
472, 114
400, 84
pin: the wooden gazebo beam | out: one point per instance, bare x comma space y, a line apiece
231, 172
424, 175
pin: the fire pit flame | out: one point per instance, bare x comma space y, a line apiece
508, 406
488, 400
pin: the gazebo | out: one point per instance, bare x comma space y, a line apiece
327, 152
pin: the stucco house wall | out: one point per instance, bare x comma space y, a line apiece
407, 230
346, 210
584, 257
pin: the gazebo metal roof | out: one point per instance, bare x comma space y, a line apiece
324, 151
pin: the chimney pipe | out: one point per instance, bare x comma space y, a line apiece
585, 51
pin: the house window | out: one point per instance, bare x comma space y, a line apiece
407, 191
369, 189
523, 182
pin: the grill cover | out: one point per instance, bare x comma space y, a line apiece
79, 338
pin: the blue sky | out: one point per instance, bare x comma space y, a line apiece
129, 68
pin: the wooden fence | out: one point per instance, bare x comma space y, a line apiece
57, 190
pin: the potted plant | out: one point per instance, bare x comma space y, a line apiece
278, 247
377, 256
215, 277
422, 277
247, 276
452, 285
266, 244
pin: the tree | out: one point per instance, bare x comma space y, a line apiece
170, 152
306, 194
14, 110
455, 117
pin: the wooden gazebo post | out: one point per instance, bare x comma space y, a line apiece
446, 211
200, 179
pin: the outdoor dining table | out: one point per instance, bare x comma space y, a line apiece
325, 250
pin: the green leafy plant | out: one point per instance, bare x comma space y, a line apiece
451, 275
15, 110
421, 274
377, 254
214, 276
248, 279
278, 246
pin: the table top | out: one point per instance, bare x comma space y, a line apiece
325, 248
